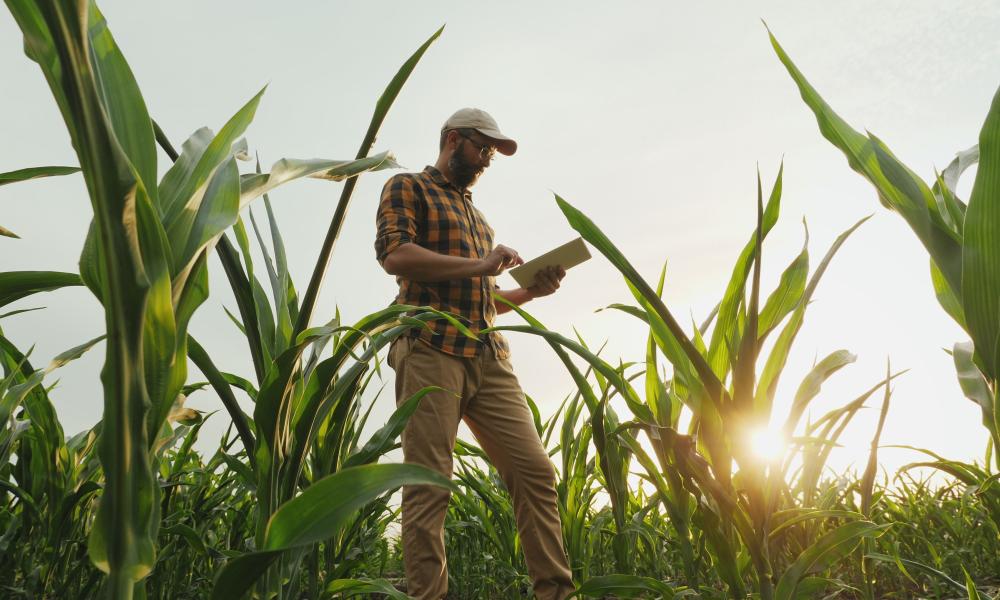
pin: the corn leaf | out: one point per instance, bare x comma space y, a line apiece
15, 285
626, 586
828, 549
981, 250
35, 173
317, 514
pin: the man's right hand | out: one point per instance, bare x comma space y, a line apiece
501, 259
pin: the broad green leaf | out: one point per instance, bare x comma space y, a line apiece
974, 385
290, 169
178, 178
72, 354
239, 574
214, 214
183, 185
15, 285
123, 104
897, 187
317, 514
356, 587
35, 173
828, 549
981, 249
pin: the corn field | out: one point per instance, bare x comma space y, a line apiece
660, 494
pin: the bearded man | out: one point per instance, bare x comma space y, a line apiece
441, 250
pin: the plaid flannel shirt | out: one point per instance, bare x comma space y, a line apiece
426, 209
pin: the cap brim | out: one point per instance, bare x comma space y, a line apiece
504, 144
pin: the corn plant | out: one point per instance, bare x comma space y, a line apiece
741, 513
47, 491
960, 237
145, 260
962, 240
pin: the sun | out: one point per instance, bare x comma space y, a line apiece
767, 444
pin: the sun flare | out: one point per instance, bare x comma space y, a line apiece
767, 444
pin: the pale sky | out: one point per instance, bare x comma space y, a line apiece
649, 116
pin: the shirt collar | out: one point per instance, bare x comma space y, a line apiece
438, 177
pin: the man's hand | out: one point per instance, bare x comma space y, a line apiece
546, 281
501, 259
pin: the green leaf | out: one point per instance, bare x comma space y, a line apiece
724, 336
810, 386
787, 294
970, 585
946, 296
383, 439
317, 514
35, 173
290, 169
981, 249
114, 162
973, 384
830, 548
337, 221
204, 221
355, 587
123, 104
962, 161
15, 285
240, 574
898, 188
590, 232
912, 563
625, 586
774, 365
183, 184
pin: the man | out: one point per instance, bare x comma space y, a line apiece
441, 250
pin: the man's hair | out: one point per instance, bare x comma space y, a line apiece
463, 131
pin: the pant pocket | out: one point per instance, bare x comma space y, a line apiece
398, 350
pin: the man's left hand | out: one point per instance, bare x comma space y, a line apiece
546, 281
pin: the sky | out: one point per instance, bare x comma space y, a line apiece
651, 117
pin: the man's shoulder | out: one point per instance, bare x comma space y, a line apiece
407, 182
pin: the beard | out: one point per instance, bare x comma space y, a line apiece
464, 173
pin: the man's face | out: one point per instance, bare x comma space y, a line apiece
471, 157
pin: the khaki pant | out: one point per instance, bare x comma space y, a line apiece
492, 404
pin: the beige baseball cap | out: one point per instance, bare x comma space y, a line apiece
481, 121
